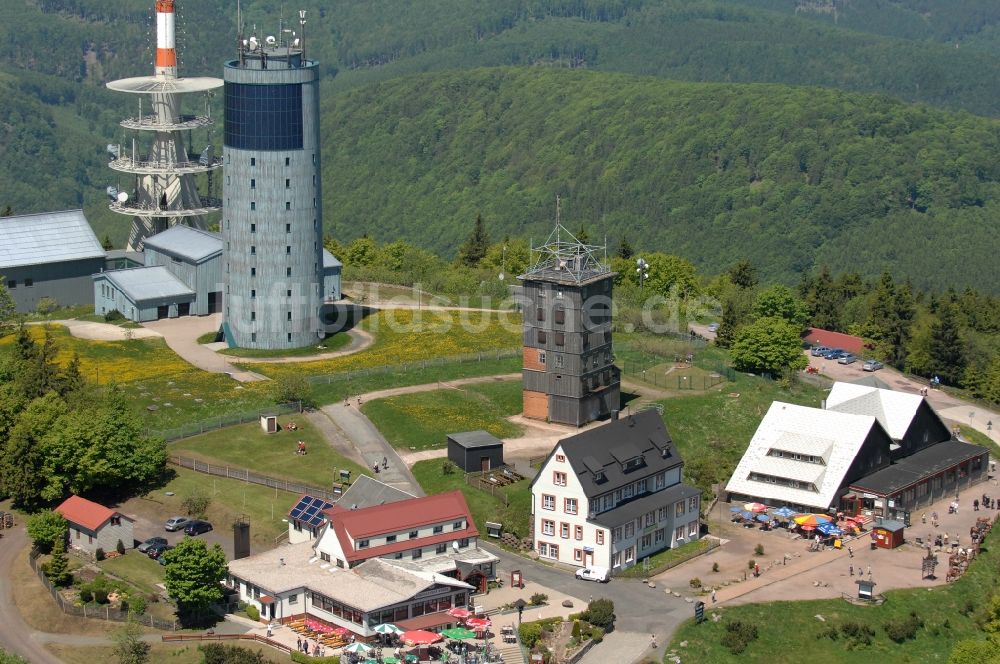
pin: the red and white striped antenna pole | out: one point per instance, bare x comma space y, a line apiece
166, 49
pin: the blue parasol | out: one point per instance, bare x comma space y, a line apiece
763, 517
736, 509
746, 515
829, 529
785, 512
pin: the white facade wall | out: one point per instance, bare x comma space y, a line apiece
329, 543
582, 534
106, 537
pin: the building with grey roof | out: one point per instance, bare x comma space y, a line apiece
475, 451
613, 495
369, 492
50, 254
181, 276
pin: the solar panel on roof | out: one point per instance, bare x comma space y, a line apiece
309, 511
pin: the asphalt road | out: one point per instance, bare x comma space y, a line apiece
638, 608
15, 635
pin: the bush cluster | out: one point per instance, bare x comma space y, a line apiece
600, 613
906, 628
252, 612
738, 636
538, 599
857, 634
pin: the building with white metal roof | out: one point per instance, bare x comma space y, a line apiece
805, 457
50, 254
142, 293
186, 243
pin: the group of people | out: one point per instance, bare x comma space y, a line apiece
317, 650
384, 466
987, 503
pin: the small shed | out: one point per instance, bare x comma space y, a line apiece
475, 451
269, 423
889, 534
93, 526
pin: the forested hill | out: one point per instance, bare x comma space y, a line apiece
787, 177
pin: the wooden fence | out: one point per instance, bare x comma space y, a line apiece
246, 475
227, 637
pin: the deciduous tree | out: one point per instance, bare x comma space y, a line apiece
45, 528
768, 344
130, 648
779, 302
192, 575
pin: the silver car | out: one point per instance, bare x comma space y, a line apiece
176, 523
848, 358
871, 365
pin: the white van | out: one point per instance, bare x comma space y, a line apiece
599, 574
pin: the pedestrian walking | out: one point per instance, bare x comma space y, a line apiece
851, 569
385, 463
359, 399
652, 640
923, 517
298, 643
713, 595
975, 505
869, 570
850, 552
270, 632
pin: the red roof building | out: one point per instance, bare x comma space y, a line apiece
848, 342
93, 526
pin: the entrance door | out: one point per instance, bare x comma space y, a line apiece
162, 312
484, 462
588, 558
215, 302
184, 309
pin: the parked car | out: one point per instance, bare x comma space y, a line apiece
156, 551
151, 542
819, 351
848, 358
713, 327
871, 365
599, 574
197, 527
176, 523
833, 354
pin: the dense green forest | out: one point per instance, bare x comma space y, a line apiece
55, 56
786, 177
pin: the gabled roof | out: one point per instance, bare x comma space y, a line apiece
400, 517
147, 284
893, 410
641, 435
86, 513
187, 243
48, 237
330, 261
369, 492
918, 467
834, 436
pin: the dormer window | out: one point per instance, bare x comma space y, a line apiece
633, 463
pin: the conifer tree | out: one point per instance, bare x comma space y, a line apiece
474, 249
625, 249
58, 567
946, 349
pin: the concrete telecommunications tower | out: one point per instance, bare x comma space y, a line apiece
158, 187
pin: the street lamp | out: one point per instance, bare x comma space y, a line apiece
503, 262
642, 269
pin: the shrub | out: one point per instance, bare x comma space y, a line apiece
113, 316
308, 659
530, 634
86, 596
447, 468
857, 634
46, 306
738, 636
758, 550
120, 547
252, 612
595, 634
217, 653
906, 628
99, 554
137, 604
828, 632
695, 582
715, 567
196, 504
601, 612
44, 528
577, 633
537, 599
101, 595
751, 563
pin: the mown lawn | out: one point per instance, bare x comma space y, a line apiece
712, 429
515, 514
403, 336
247, 446
422, 420
329, 345
790, 631
159, 653
136, 568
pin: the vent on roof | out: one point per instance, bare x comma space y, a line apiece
665, 452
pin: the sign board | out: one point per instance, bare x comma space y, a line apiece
699, 612
345, 476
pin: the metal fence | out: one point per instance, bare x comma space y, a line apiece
223, 421
246, 475
644, 568
418, 365
100, 612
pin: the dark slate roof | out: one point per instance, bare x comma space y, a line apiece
608, 447
368, 492
917, 467
630, 511
473, 439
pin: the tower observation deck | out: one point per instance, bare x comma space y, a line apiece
158, 171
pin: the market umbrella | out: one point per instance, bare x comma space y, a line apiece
421, 637
785, 512
357, 648
755, 507
389, 659
370, 661
808, 528
458, 633
829, 529
411, 658
746, 515
459, 613
811, 519
478, 623
763, 517
387, 628
735, 508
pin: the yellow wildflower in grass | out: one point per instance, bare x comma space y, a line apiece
403, 336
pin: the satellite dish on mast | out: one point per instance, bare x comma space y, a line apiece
114, 150
122, 197
254, 43
270, 40
112, 192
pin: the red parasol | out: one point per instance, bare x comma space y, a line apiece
478, 623
420, 637
459, 613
